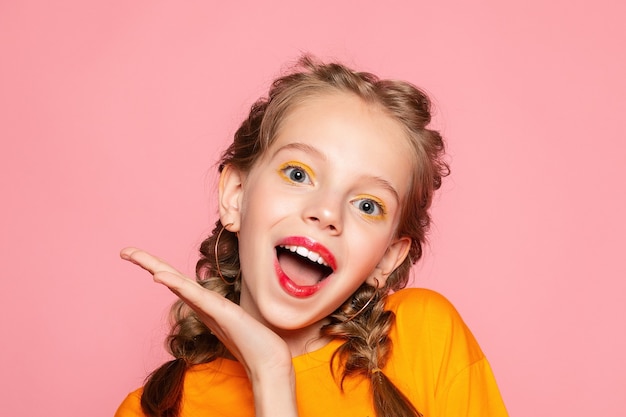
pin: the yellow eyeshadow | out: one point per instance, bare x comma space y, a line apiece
295, 164
378, 201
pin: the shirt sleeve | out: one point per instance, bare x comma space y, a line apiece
472, 392
451, 374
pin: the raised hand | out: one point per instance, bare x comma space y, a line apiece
264, 355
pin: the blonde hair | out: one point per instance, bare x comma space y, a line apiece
362, 320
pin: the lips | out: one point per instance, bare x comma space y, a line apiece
302, 265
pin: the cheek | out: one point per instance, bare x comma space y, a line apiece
263, 208
369, 249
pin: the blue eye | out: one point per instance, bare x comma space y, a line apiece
369, 207
296, 174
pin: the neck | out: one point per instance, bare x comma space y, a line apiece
302, 341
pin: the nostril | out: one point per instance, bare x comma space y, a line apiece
323, 218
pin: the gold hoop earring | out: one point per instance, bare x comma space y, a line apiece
217, 262
362, 309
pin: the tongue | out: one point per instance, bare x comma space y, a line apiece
302, 272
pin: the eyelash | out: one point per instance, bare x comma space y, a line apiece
377, 204
288, 168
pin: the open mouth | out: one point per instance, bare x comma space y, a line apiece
303, 266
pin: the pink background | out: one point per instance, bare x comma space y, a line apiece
112, 114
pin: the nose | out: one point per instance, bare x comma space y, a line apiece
324, 210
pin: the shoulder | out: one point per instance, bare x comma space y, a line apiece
131, 406
437, 360
427, 319
414, 303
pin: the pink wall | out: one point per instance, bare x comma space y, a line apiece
112, 114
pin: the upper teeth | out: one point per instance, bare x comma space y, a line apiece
302, 251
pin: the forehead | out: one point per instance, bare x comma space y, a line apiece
324, 109
349, 132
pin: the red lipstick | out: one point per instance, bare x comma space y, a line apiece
312, 245
289, 286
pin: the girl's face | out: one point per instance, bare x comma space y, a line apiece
318, 213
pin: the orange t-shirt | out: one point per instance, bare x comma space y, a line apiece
435, 362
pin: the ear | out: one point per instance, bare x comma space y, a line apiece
394, 256
230, 195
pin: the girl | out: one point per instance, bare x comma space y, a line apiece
298, 307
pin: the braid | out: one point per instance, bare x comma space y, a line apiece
364, 324
362, 321
190, 341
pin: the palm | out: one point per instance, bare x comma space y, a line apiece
254, 345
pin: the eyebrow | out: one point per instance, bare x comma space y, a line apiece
308, 149
386, 185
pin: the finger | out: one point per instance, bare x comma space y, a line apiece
206, 303
187, 289
146, 261
194, 295
216, 312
